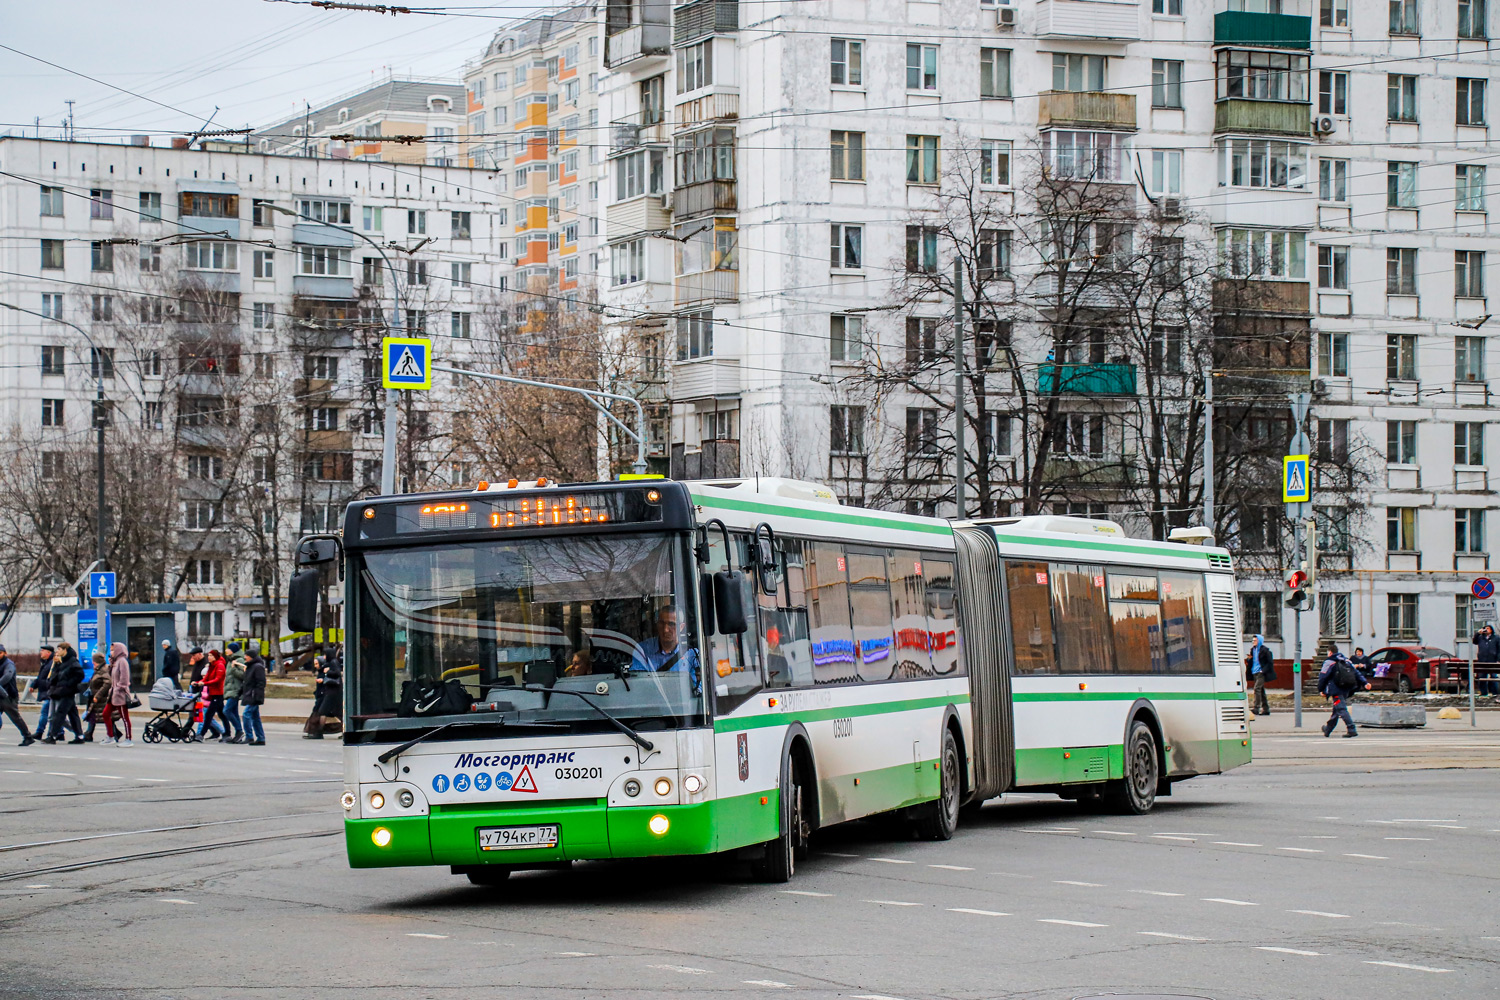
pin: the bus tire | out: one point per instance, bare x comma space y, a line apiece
1136, 793
489, 876
777, 862
938, 819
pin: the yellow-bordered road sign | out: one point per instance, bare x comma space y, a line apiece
1295, 487
406, 363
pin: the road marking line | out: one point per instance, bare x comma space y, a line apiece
1409, 838
1069, 923
977, 913
1322, 913
153, 779
576, 954
952, 868
1169, 836
434, 937
874, 996
686, 970
1317, 836
893, 902
1482, 939
44, 885
1301, 850
1174, 937
112, 777
1289, 951
9, 771
804, 892
1414, 821
1153, 892
1413, 968
1183, 833
1450, 828
1368, 857
890, 861
769, 983
1233, 843
61, 774
1114, 833
1089, 885
1231, 902
179, 902
836, 854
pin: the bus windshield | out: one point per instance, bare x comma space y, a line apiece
591, 613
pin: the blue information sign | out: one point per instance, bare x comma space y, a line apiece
102, 586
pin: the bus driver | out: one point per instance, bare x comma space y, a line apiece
665, 651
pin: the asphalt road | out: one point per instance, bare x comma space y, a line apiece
1328, 868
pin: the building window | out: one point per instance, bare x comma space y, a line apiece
1468, 274
1333, 353
1333, 13
1098, 156
416, 272
1471, 19
1401, 619
461, 273
52, 413
460, 326
846, 246
1263, 164
263, 264
695, 66
1333, 268
921, 159
921, 248
845, 62
150, 259
210, 206
1261, 76
1404, 17
1263, 253
1468, 187
992, 343
846, 338
101, 204
695, 336
1078, 73
262, 213
1468, 531
1333, 528
1166, 172
993, 253
211, 255
1401, 97
627, 262
416, 221
1079, 435
921, 432
200, 515
52, 201
1333, 616
52, 305
921, 67
151, 310
1166, 83
263, 316
995, 431
994, 162
1333, 180
921, 341
1468, 443
1400, 185
846, 430
1470, 104
1468, 358
848, 152
1401, 442
994, 73
1401, 271
1172, 8
332, 262
205, 467
52, 255
1401, 356
52, 360
1257, 529
1332, 442
1401, 529
1333, 92
1261, 614
205, 624
704, 155
101, 256
639, 173
103, 308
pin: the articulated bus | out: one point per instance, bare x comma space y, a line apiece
537, 674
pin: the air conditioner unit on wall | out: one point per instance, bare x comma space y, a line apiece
1171, 208
1005, 17
1323, 124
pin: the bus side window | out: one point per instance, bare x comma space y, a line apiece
733, 661
870, 602
909, 611
942, 614
829, 627
1030, 617
783, 626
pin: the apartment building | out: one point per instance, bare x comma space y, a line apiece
228, 307
533, 117
778, 175
394, 121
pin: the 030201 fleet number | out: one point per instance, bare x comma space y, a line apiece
843, 728
578, 773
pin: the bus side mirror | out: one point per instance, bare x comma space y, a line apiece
728, 607
302, 599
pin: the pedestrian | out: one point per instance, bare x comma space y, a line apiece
171, 662
212, 685
38, 687
252, 696
1486, 654
234, 678
328, 700
67, 681
99, 690
10, 695
1261, 668
119, 695
1337, 680
196, 662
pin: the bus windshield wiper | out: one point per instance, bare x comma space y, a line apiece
636, 737
498, 721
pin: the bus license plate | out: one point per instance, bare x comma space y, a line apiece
507, 838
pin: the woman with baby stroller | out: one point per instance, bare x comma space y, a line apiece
119, 695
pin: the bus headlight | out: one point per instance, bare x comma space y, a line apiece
692, 783
406, 798
632, 787
348, 799
377, 801
380, 836
663, 786
658, 824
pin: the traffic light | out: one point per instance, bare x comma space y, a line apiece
1296, 590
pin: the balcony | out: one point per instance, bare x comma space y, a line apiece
1289, 118
702, 18
712, 460
704, 378
204, 225
1262, 31
323, 286
1106, 19
703, 198
1256, 295
708, 108
644, 128
1086, 109
645, 214
1087, 380
636, 42
706, 286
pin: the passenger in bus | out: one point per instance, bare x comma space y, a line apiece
581, 665
665, 651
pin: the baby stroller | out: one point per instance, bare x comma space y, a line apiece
173, 710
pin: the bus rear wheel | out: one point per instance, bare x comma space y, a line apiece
778, 860
1136, 793
938, 819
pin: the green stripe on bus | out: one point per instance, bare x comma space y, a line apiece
864, 520
1178, 552
824, 714
1128, 696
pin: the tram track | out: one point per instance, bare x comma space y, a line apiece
165, 787
164, 853
5, 848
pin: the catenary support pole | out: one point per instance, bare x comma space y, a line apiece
1297, 641
1208, 450
958, 385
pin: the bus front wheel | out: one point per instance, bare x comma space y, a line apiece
938, 819
778, 862
1136, 793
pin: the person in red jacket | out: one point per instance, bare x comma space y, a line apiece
213, 684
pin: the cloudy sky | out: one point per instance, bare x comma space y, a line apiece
257, 60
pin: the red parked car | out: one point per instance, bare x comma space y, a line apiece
1405, 668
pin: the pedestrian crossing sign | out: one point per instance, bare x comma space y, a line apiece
1294, 485
406, 363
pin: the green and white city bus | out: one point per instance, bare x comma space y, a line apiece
537, 674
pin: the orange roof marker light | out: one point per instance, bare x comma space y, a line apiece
513, 483
483, 486
541, 480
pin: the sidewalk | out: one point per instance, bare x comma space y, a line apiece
274, 710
